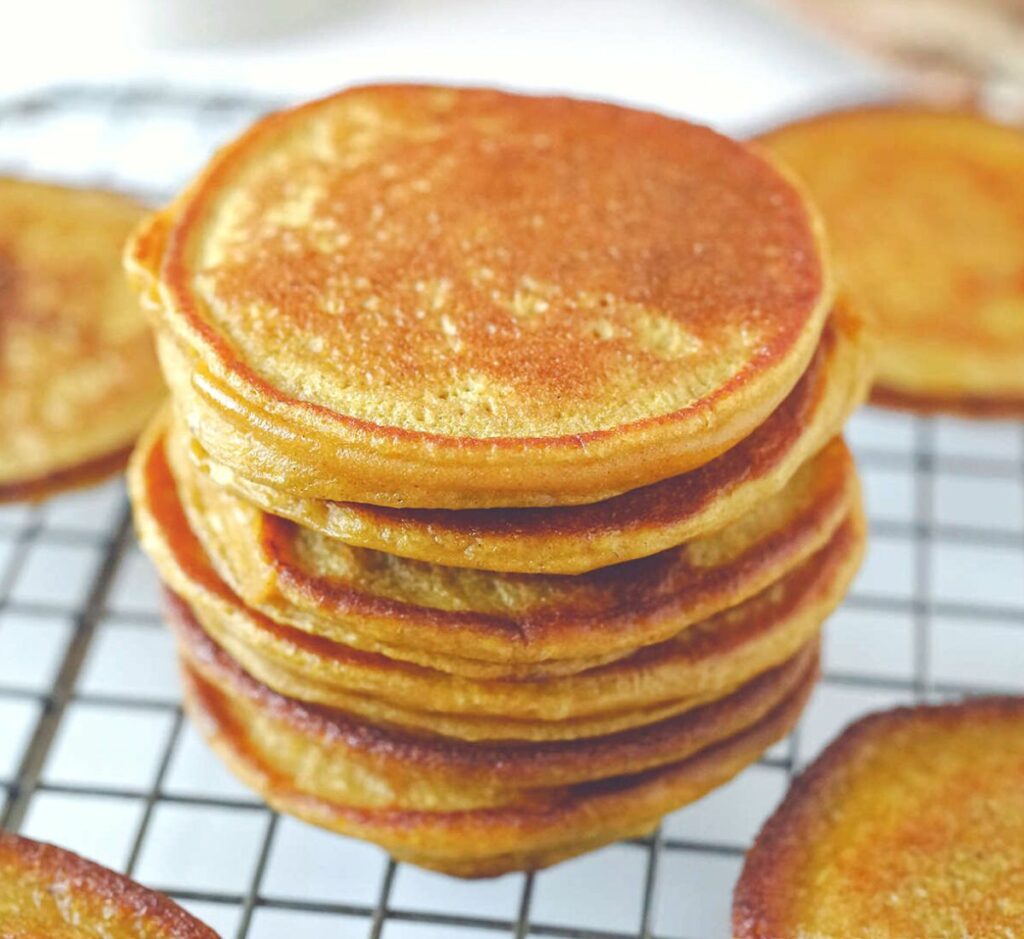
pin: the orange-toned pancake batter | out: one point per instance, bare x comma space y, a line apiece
49, 893
78, 375
925, 212
910, 825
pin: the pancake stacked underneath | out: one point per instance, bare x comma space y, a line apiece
501, 497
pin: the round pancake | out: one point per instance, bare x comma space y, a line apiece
78, 375
292, 755
48, 892
910, 824
925, 213
705, 661
457, 298
475, 623
576, 539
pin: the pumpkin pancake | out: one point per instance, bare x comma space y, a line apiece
48, 892
78, 376
910, 825
704, 662
478, 624
575, 539
450, 806
454, 298
925, 212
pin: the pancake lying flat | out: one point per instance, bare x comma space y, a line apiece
910, 825
925, 211
575, 539
477, 624
478, 809
428, 297
78, 376
48, 892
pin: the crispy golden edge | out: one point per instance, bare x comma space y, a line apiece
760, 900
90, 891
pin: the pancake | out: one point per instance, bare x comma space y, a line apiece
703, 662
46, 891
450, 807
910, 824
481, 625
454, 298
576, 539
925, 212
78, 376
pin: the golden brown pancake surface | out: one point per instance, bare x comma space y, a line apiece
432, 297
78, 376
457, 619
925, 213
576, 539
49, 893
910, 825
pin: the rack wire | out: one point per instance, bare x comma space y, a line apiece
95, 754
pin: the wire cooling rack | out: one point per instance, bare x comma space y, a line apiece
95, 754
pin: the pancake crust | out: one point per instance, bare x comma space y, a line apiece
925, 212
78, 375
46, 891
431, 297
911, 824
576, 539
703, 662
481, 625
424, 802
483, 769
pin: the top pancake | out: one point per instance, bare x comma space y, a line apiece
460, 298
925, 211
78, 377
572, 539
910, 824
46, 891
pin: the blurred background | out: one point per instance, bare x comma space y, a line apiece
733, 62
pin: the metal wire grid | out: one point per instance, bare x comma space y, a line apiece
95, 754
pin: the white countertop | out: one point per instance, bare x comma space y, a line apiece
734, 63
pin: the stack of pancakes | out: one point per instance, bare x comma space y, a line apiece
501, 497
